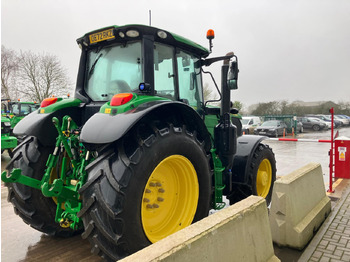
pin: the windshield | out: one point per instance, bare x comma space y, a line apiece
270, 123
112, 70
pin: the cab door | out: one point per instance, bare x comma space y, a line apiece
189, 79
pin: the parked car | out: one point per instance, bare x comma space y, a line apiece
342, 118
328, 124
272, 128
309, 123
249, 123
348, 117
327, 118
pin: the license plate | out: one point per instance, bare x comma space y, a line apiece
101, 36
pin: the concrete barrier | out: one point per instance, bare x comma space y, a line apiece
299, 206
240, 232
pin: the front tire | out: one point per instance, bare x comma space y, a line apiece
263, 172
262, 175
152, 183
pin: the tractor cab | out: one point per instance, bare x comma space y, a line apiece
140, 60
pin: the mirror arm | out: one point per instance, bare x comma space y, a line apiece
209, 61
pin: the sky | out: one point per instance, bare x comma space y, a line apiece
287, 49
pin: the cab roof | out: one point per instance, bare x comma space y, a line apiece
119, 34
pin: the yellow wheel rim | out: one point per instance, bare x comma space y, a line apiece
170, 198
264, 178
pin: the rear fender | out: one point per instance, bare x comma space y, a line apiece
104, 128
246, 146
39, 124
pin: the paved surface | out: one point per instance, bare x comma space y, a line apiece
332, 241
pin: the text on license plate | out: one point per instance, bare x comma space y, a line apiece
100, 36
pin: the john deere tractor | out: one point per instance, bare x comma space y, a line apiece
17, 110
137, 154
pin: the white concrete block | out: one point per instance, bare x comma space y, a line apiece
299, 206
240, 232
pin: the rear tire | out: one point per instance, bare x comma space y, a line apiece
29, 203
128, 203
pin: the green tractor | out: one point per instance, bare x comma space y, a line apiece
137, 154
8, 142
16, 111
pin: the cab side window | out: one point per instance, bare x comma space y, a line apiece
15, 109
25, 109
164, 76
189, 77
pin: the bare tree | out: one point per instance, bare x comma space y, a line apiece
238, 105
9, 68
41, 76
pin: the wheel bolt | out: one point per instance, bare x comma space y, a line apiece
146, 200
161, 190
149, 206
160, 199
148, 191
155, 205
159, 184
152, 184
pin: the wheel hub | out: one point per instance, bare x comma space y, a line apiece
153, 195
264, 178
170, 198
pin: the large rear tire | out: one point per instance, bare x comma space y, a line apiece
29, 203
152, 183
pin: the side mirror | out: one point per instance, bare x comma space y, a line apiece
232, 76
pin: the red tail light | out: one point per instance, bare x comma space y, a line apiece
48, 101
121, 99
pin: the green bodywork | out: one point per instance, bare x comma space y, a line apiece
60, 104
136, 101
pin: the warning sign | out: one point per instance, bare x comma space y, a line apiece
342, 152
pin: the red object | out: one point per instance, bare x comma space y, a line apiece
301, 140
342, 158
331, 153
210, 34
48, 101
121, 99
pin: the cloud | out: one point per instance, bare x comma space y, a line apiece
291, 49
